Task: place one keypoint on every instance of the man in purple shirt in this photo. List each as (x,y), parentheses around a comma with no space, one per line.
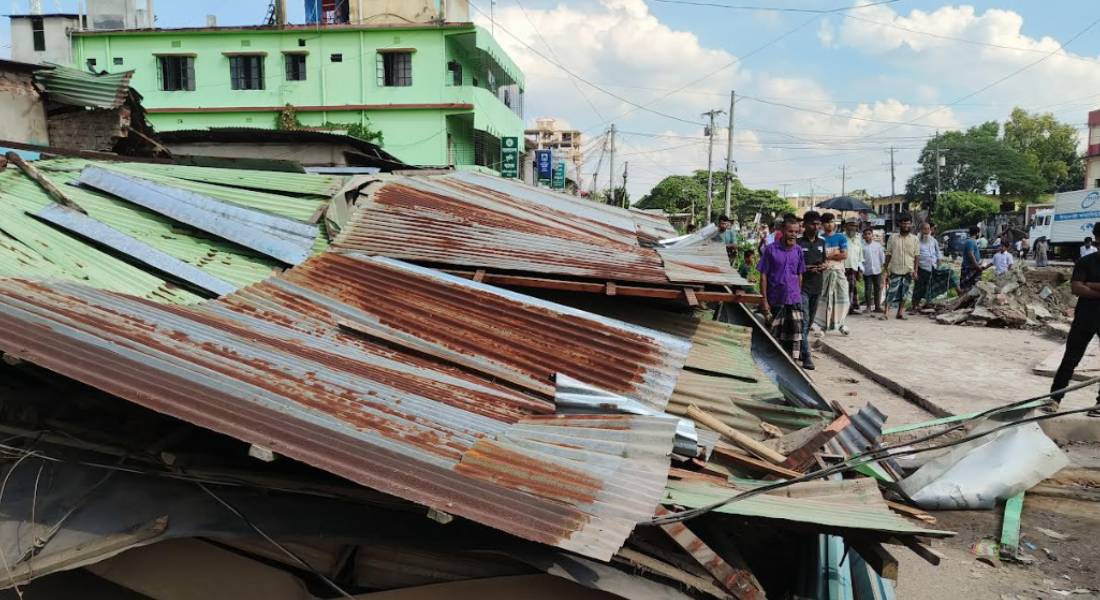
(781,268)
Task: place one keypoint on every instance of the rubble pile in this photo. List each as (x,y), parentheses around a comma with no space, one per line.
(1023,297)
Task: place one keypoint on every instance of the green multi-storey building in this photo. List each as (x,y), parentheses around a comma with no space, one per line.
(440,93)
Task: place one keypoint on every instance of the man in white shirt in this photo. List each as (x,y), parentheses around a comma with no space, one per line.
(853,264)
(873,257)
(1088,248)
(927,261)
(1002,261)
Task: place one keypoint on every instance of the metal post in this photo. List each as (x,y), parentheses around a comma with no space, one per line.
(710,163)
(729,156)
(611,175)
(626,168)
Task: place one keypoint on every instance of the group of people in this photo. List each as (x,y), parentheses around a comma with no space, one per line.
(810,271)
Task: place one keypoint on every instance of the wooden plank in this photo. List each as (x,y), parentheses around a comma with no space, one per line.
(711,422)
(611,291)
(910,511)
(689,295)
(51,189)
(732,573)
(1010,525)
(752,463)
(644,562)
(877,557)
(315,218)
(479,275)
(1070,493)
(803,456)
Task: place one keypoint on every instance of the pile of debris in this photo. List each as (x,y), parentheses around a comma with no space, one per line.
(1022,297)
(280,385)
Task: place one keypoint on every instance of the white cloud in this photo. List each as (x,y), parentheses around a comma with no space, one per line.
(826,33)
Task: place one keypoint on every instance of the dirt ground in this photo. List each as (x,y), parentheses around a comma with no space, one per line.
(1058,568)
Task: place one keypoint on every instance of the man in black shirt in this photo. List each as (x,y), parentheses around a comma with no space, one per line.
(1085,284)
(813,253)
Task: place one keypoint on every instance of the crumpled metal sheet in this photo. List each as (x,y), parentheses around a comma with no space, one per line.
(979,473)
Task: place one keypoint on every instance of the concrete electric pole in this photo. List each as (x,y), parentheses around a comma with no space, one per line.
(843,179)
(892,179)
(729,156)
(626,169)
(710,162)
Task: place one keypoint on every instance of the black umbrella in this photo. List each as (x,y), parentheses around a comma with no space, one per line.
(845,203)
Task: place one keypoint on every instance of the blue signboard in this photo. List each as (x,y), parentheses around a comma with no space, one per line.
(544,164)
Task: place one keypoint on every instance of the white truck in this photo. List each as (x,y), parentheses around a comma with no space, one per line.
(1070,221)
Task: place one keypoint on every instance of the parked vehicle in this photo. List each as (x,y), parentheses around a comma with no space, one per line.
(952,241)
(1069,223)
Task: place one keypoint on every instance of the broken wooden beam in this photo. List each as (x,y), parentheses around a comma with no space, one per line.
(51,190)
(740,439)
(803,456)
(910,511)
(754,464)
(731,573)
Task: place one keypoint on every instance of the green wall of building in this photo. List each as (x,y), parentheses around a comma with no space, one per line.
(414,120)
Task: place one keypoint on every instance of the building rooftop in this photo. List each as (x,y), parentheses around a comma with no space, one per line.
(276,28)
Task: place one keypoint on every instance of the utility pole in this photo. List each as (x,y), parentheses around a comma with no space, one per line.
(784,186)
(892,179)
(626,168)
(611,176)
(729,155)
(843,179)
(710,162)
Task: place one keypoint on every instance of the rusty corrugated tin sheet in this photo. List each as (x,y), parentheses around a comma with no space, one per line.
(476,221)
(269,366)
(500,331)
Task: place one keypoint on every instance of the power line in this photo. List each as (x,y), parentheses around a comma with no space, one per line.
(820,11)
(962,40)
(1014,73)
(582,79)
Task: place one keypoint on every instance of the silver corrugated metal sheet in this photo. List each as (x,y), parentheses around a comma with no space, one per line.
(79,88)
(278,237)
(269,366)
(88,227)
(477,221)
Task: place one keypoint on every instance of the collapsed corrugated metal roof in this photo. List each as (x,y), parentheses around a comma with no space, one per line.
(476,221)
(842,505)
(30,246)
(276,365)
(79,88)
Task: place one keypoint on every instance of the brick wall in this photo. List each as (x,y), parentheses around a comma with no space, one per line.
(96,129)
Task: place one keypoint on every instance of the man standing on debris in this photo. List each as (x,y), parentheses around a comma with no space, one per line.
(1087,248)
(1002,260)
(1085,284)
(972,262)
(927,261)
(873,258)
(832,309)
(1042,249)
(813,256)
(726,235)
(853,265)
(781,268)
(902,252)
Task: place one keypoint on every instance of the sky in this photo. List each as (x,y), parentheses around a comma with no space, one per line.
(818,91)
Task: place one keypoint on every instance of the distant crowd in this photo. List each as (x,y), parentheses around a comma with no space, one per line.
(809,271)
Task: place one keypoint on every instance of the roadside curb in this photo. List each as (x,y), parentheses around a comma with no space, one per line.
(906,393)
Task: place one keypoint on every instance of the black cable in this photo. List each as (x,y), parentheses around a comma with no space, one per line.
(882,453)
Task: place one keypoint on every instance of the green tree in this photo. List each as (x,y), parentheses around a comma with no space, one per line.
(963,209)
(676,193)
(604,196)
(975,161)
(1050,147)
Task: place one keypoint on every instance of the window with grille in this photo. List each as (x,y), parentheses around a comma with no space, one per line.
(246,72)
(395,69)
(456,72)
(176,73)
(38,31)
(295,67)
